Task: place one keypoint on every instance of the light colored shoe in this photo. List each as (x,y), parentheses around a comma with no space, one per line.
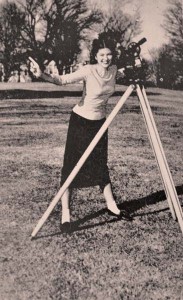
(65,216)
(112,207)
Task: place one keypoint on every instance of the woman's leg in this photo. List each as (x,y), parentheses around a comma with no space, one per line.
(65,200)
(111,204)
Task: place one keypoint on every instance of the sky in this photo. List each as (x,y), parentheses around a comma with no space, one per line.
(152,19)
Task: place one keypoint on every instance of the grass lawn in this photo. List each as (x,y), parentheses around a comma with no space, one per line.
(103,258)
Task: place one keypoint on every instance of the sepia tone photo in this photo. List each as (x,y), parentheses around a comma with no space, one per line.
(91,122)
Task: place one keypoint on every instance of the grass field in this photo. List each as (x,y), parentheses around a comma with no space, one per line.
(103,258)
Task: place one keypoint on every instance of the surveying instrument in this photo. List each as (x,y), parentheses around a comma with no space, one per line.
(132,67)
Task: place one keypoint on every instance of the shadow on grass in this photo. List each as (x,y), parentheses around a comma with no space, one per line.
(131,206)
(154,198)
(76,225)
(35,94)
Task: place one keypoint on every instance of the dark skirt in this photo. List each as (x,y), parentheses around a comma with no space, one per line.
(95,171)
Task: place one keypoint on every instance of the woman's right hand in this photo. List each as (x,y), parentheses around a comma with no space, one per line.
(34,68)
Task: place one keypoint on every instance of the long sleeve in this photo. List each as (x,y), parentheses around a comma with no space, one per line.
(76,76)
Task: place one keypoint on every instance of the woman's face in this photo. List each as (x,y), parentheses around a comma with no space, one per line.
(104,57)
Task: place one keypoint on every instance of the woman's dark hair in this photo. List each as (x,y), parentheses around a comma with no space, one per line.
(104,41)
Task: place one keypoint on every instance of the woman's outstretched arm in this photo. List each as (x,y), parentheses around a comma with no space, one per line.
(58,79)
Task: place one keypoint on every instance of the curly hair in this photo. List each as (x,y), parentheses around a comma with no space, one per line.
(104,41)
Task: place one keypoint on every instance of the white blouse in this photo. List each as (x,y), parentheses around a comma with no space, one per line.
(97,90)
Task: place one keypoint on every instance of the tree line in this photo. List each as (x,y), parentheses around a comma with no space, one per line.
(167,61)
(60,29)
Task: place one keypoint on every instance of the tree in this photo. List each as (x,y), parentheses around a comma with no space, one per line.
(18,34)
(45,29)
(167,62)
(174,25)
(122,25)
(174,28)
(67,22)
(166,68)
(11,21)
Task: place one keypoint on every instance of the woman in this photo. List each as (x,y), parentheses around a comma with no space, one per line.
(86,119)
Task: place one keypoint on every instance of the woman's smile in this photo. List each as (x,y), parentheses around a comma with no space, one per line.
(104,57)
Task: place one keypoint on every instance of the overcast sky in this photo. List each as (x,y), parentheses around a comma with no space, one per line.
(152,19)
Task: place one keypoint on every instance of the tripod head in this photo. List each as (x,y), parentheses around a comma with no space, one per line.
(131,62)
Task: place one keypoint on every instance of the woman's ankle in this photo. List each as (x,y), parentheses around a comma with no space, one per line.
(108,194)
(110,201)
(65,215)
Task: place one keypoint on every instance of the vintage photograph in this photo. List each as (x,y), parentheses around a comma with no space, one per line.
(91,122)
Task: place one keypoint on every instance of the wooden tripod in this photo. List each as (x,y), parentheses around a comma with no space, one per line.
(167,180)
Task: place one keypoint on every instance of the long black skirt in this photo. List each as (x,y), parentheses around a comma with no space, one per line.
(95,171)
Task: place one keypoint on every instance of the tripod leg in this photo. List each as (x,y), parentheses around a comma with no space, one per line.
(161,148)
(159,141)
(83,159)
(168,196)
(160,156)
(172,186)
